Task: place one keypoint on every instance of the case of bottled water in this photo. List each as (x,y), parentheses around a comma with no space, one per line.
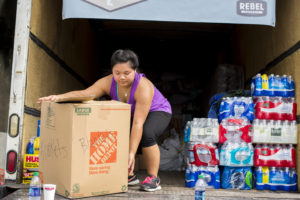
(272,85)
(211,175)
(275,178)
(237,178)
(278,155)
(236,107)
(203,154)
(236,154)
(204,130)
(231,127)
(274,131)
(275,108)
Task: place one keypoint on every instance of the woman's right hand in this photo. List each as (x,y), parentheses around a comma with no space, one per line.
(48,98)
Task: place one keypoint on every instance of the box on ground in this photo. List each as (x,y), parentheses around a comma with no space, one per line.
(84,147)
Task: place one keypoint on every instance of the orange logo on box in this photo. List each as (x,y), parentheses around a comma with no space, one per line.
(103,147)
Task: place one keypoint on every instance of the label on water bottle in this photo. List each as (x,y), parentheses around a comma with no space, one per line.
(34,191)
(199,195)
(265,171)
(275,131)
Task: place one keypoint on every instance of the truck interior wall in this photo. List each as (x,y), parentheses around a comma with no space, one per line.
(7,24)
(60,59)
(273,50)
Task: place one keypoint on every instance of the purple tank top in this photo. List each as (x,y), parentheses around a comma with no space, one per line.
(159,102)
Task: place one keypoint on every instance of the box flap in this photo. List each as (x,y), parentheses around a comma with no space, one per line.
(106,103)
(76,99)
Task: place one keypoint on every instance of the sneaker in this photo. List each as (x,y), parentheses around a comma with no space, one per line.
(151,184)
(132,179)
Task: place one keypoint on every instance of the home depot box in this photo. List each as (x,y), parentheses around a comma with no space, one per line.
(84,147)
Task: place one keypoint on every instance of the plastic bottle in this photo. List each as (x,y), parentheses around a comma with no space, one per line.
(35,187)
(271,85)
(30,146)
(265,84)
(258,85)
(36,144)
(285,86)
(187,131)
(200,188)
(277,85)
(291,86)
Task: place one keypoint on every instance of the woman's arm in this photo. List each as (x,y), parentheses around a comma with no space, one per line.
(98,89)
(143,97)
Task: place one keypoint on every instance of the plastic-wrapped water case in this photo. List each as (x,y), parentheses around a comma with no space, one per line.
(275,108)
(278,132)
(237,178)
(236,154)
(204,130)
(231,128)
(236,107)
(274,178)
(272,85)
(203,154)
(211,175)
(275,155)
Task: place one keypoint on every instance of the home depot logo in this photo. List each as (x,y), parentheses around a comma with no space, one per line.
(103,147)
(252,8)
(111,5)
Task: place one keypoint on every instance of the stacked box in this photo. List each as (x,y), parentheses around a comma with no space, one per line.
(201,134)
(236,152)
(274,132)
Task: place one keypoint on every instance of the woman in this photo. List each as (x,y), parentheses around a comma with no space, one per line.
(151,112)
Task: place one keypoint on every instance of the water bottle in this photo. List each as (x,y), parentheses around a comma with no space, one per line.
(291,86)
(265,84)
(258,85)
(200,188)
(285,86)
(271,85)
(35,187)
(278,85)
(187,131)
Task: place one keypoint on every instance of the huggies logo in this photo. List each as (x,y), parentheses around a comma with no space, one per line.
(111,5)
(103,147)
(252,8)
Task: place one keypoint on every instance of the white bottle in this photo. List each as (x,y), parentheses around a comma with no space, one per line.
(200,188)
(35,187)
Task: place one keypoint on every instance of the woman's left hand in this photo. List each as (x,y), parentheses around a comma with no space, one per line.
(131,163)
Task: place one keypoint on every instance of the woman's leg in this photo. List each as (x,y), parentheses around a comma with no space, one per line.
(151,156)
(154,126)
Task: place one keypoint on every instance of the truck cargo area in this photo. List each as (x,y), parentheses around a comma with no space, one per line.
(187,62)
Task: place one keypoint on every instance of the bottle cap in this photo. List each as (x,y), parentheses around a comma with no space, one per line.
(200,176)
(35,174)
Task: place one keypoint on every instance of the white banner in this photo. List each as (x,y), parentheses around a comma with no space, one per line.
(208,11)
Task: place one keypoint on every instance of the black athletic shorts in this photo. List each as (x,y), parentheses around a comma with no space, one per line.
(155,125)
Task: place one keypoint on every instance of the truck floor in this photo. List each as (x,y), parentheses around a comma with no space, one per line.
(173,188)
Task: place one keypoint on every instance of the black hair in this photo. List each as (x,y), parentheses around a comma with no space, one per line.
(123,56)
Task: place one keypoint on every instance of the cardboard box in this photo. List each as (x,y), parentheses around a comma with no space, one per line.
(30,165)
(84,147)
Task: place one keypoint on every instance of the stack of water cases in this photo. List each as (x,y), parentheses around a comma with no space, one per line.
(274,132)
(236,152)
(201,134)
